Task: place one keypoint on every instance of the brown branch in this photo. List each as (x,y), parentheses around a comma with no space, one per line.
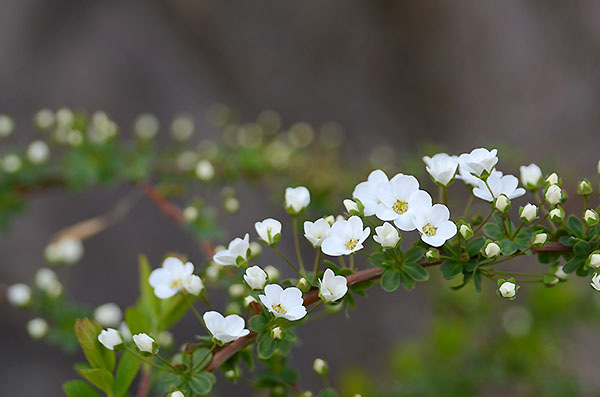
(162,203)
(359,277)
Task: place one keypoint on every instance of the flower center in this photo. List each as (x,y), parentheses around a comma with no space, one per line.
(429,230)
(400,207)
(176,283)
(351,244)
(279,308)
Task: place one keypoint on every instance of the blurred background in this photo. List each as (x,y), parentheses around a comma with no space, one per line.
(398,75)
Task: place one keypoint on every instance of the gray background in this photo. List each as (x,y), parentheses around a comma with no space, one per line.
(461,73)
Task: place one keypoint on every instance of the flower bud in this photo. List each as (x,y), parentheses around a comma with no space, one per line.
(230,374)
(531,177)
(553,194)
(476,220)
(12,163)
(273,273)
(491,249)
(236,290)
(231,205)
(248,300)
(18,294)
(145,343)
(330,219)
(307,393)
(108,315)
(507,289)
(465,231)
(594,259)
(351,206)
(502,203)
(539,239)
(432,255)
(303,285)
(177,393)
(296,199)
(193,284)
(584,188)
(557,214)
(37,328)
(7,126)
(590,217)
(553,179)
(560,273)
(320,367)
(205,170)
(255,277)
(110,338)
(528,213)
(387,235)
(190,214)
(596,282)
(38,152)
(269,231)
(44,119)
(276,333)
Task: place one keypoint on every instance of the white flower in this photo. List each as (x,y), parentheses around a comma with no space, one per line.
(12,163)
(255,277)
(165,338)
(595,260)
(190,214)
(320,367)
(387,235)
(540,239)
(552,179)
(225,329)
(553,194)
(590,217)
(492,250)
(502,202)
(368,192)
(350,205)
(205,170)
(37,328)
(44,119)
(182,127)
(18,294)
(499,184)
(268,230)
(345,237)
(231,205)
(7,125)
(110,338)
(238,247)
(332,287)
(296,199)
(441,167)
(38,152)
(529,212)
(508,289)
(169,279)
(317,231)
(108,315)
(596,282)
(286,303)
(46,280)
(531,176)
(401,197)
(146,126)
(236,290)
(434,225)
(176,393)
(193,284)
(478,161)
(272,272)
(144,343)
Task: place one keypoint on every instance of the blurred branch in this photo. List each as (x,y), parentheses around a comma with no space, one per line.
(161,202)
(359,277)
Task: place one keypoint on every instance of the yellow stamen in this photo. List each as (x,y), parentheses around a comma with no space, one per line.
(429,230)
(176,283)
(351,244)
(400,207)
(279,308)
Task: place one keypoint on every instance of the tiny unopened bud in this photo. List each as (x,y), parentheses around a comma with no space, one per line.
(230,374)
(539,239)
(190,214)
(249,300)
(553,179)
(557,214)
(584,188)
(594,259)
(276,333)
(432,255)
(205,170)
(320,367)
(231,205)
(145,343)
(273,273)
(465,231)
(7,126)
(303,285)
(491,250)
(528,213)
(236,290)
(590,217)
(38,152)
(18,294)
(502,203)
(508,290)
(177,393)
(350,206)
(560,273)
(37,328)
(330,219)
(255,249)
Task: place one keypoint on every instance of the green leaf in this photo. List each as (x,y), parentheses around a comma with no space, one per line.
(493,231)
(329,392)
(582,249)
(451,268)
(148,303)
(508,246)
(202,383)
(173,309)
(414,255)
(547,258)
(258,323)
(574,264)
(407,281)
(265,347)
(416,271)
(575,226)
(390,280)
(475,245)
(100,378)
(202,355)
(97,355)
(127,369)
(79,388)
(477,281)
(136,321)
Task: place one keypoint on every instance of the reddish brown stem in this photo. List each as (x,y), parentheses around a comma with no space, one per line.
(162,203)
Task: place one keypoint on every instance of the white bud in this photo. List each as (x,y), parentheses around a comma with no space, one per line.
(350,205)
(595,260)
(18,294)
(508,289)
(531,176)
(37,328)
(386,235)
(330,219)
(12,163)
(552,179)
(553,194)
(231,205)
(108,315)
(465,231)
(296,199)
(144,342)
(255,277)
(276,333)
(268,230)
(320,367)
(205,170)
(44,119)
(502,202)
(492,250)
(590,217)
(110,338)
(177,393)
(540,239)
(248,300)
(64,117)
(190,214)
(146,126)
(125,331)
(236,290)
(38,152)
(529,212)
(7,126)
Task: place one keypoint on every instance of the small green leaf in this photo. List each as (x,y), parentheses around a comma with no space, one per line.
(414,255)
(416,271)
(202,355)
(148,303)
(575,226)
(202,383)
(477,281)
(329,392)
(508,246)
(493,231)
(407,281)
(127,369)
(475,245)
(79,388)
(100,378)
(582,249)
(173,309)
(258,323)
(451,268)
(266,346)
(390,280)
(574,264)
(136,321)
(97,355)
